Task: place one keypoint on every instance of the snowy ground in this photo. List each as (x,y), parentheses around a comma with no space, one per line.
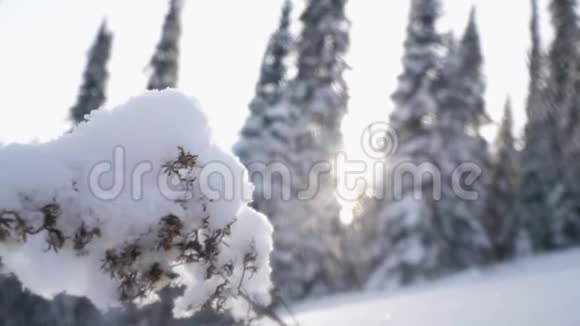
(542,291)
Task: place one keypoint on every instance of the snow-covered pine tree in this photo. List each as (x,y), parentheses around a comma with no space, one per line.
(459,92)
(428,228)
(566,221)
(164,63)
(262,139)
(421,56)
(320,89)
(550,193)
(307,260)
(536,57)
(273,72)
(405,224)
(563,63)
(501,220)
(459,85)
(538,156)
(92,91)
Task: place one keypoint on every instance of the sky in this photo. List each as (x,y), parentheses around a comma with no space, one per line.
(44,47)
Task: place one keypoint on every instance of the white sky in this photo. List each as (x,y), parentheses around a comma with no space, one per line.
(44,45)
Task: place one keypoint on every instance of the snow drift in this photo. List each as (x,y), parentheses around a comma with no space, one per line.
(130,202)
(535,291)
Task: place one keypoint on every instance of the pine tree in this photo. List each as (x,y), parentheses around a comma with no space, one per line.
(501,219)
(538,155)
(164,63)
(428,228)
(420,58)
(307,259)
(274,69)
(549,192)
(404,224)
(459,91)
(256,142)
(563,60)
(92,91)
(320,89)
(535,57)
(460,85)
(566,226)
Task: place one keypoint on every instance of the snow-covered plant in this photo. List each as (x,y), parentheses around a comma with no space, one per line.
(129,203)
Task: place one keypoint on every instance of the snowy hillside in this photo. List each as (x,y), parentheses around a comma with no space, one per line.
(541,291)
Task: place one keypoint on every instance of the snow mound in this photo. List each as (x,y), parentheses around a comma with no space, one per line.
(133,200)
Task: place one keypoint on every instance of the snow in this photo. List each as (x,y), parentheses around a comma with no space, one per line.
(537,291)
(133,202)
